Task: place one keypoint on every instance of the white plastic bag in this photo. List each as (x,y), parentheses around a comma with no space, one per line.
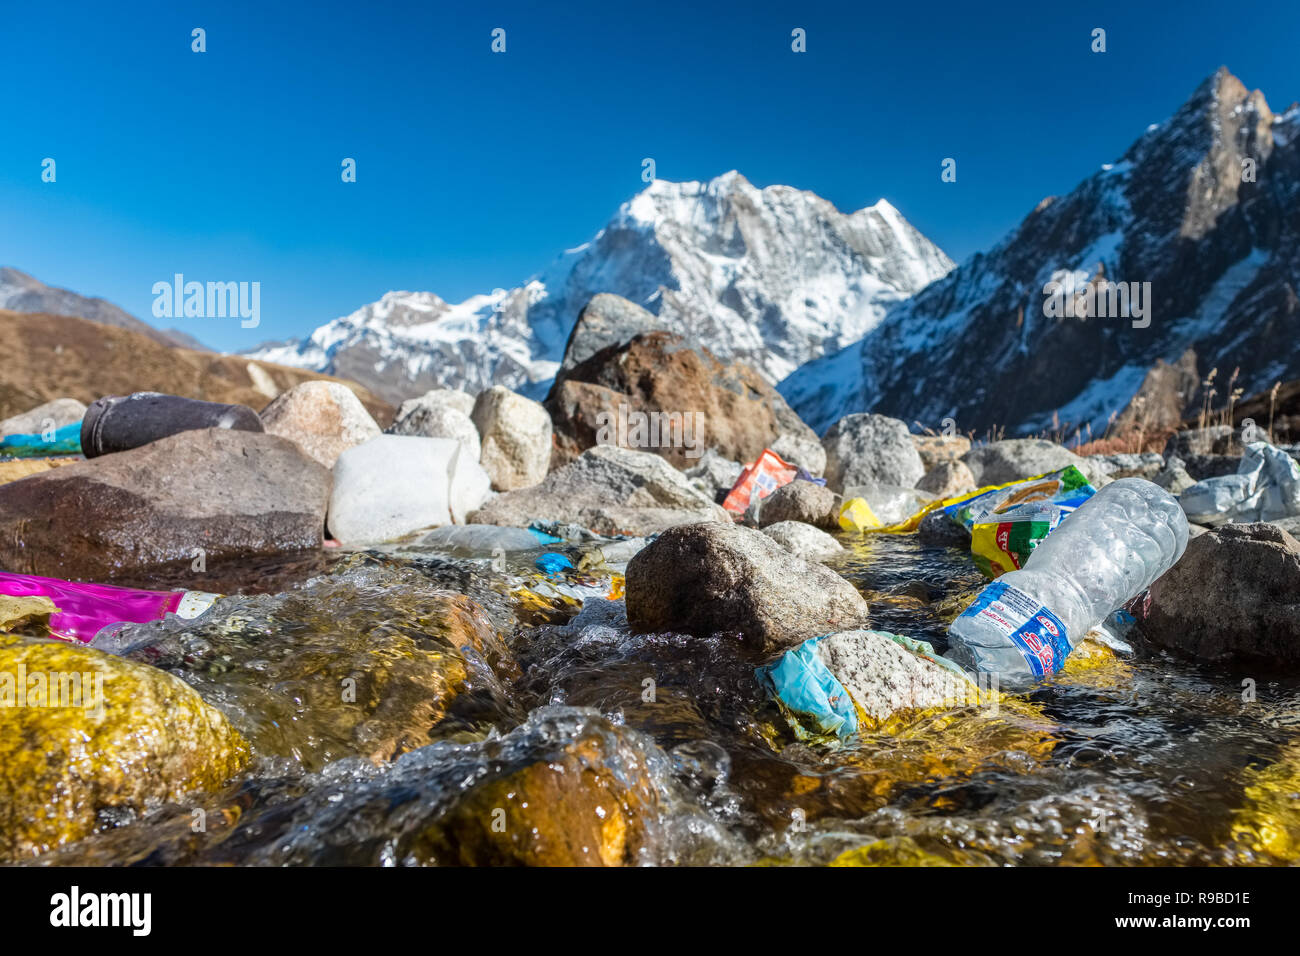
(1266,487)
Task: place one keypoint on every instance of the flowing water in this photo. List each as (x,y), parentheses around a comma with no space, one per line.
(466,678)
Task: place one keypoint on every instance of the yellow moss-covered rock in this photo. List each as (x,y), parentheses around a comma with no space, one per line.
(82,732)
(569,810)
(1269,824)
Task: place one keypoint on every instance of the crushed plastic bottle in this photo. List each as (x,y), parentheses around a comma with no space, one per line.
(1111,549)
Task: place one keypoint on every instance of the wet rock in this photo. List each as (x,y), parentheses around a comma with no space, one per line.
(936,449)
(1016,458)
(947,480)
(714,475)
(798,500)
(324,419)
(659,394)
(867,449)
(232,494)
(608,490)
(368,661)
(888,682)
(516,437)
(106,736)
(566,788)
(394,485)
(1233,597)
(51,415)
(939,530)
(803,540)
(437,419)
(712,577)
(607,320)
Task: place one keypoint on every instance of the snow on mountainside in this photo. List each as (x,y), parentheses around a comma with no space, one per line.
(774,277)
(1203,207)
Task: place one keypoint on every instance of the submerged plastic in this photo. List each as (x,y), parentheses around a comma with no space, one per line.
(803,685)
(85,609)
(1266,487)
(64,441)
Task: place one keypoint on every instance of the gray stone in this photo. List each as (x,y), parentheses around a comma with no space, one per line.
(1145,465)
(937,529)
(801,447)
(866,449)
(799,500)
(803,540)
(887,680)
(437,419)
(321,418)
(606,320)
(1173,477)
(226,492)
(947,479)
(1016,458)
(609,490)
(1212,440)
(714,475)
(1234,598)
(51,415)
(712,577)
(516,436)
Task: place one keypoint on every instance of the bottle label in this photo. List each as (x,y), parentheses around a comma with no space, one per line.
(1036,632)
(194,603)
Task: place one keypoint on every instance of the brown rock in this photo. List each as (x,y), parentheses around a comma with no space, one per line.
(324,419)
(737,411)
(947,480)
(935,449)
(230,493)
(804,501)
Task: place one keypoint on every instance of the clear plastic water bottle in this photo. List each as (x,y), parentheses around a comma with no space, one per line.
(1108,551)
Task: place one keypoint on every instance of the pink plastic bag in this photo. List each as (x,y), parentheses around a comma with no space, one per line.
(86,609)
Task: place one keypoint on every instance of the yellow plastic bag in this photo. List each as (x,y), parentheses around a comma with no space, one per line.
(856,515)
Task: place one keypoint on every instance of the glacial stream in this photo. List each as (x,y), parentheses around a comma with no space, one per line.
(410,707)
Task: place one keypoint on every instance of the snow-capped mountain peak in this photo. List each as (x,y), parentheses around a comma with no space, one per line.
(774,276)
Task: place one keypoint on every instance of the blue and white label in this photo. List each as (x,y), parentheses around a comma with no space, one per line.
(1036,632)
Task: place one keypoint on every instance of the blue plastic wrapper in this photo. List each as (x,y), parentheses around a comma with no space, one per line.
(552,562)
(67,441)
(800,682)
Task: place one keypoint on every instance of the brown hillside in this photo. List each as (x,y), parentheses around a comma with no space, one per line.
(57,356)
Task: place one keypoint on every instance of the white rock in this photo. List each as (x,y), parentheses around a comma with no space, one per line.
(516,436)
(394,485)
(803,540)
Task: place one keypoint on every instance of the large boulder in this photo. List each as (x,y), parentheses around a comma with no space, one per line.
(50,416)
(711,577)
(228,493)
(439,414)
(609,490)
(1015,458)
(322,418)
(607,320)
(657,393)
(105,735)
(516,436)
(394,485)
(867,450)
(799,500)
(1234,598)
(803,540)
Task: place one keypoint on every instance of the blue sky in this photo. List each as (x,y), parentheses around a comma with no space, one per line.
(475,169)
